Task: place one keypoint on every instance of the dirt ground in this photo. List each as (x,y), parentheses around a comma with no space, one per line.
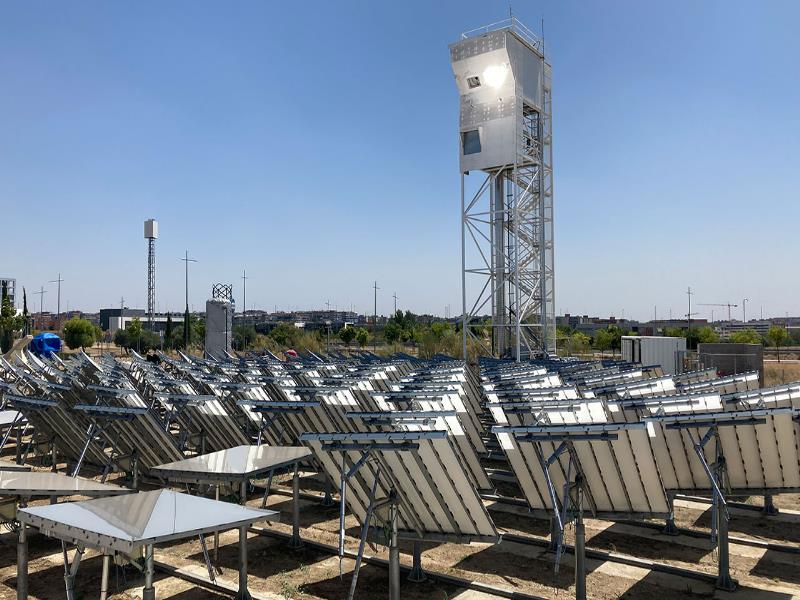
(276,572)
(778,373)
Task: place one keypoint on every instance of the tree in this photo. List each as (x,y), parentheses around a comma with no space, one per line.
(122,339)
(79,333)
(285,335)
(706,335)
(392,332)
(616,336)
(244,336)
(26,325)
(777,335)
(198,332)
(137,338)
(150,340)
(9,323)
(746,336)
(347,335)
(362,336)
(579,342)
(603,339)
(186,329)
(674,332)
(135,328)
(168,332)
(401,327)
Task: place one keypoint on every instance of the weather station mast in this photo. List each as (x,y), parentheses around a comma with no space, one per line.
(505,131)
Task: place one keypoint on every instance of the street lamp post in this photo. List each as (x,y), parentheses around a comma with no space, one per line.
(186,261)
(375,319)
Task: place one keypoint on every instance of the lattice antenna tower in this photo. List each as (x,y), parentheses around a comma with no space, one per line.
(150,234)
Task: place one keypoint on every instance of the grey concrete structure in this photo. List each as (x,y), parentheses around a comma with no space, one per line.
(733,358)
(219,327)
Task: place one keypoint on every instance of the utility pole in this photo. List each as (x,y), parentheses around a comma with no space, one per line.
(375,318)
(395,302)
(689,314)
(744,310)
(244,293)
(186,261)
(58,281)
(41,293)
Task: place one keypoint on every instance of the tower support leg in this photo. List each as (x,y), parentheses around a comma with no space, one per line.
(394,555)
(724,580)
(135,469)
(18,437)
(769,506)
(22,563)
(149,591)
(670,527)
(580,547)
(104,577)
(328,499)
(71,571)
(417,575)
(243,593)
(555,533)
(296,541)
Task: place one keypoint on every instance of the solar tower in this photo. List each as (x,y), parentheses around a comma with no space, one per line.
(150,234)
(503,81)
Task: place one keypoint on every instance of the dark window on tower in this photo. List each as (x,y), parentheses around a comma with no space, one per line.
(471,141)
(473,82)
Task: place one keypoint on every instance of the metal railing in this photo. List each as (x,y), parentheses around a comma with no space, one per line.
(514,25)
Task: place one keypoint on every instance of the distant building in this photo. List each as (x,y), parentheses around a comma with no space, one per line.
(727,328)
(590,325)
(8,286)
(265,322)
(111,319)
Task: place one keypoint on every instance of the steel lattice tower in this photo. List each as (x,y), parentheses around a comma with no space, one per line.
(504,83)
(150,234)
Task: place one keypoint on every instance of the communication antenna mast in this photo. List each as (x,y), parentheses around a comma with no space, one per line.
(150,234)
(504,84)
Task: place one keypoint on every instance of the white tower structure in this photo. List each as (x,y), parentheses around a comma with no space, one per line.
(150,234)
(505,129)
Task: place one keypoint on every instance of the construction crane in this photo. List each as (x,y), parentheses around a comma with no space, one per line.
(728,304)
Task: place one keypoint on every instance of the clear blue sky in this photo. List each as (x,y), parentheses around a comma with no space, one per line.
(315,145)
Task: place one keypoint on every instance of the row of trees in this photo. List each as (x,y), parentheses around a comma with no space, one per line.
(354,334)
(577,342)
(10,323)
(776,336)
(136,337)
(611,338)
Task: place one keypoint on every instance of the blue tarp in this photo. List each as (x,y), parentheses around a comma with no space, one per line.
(45,344)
